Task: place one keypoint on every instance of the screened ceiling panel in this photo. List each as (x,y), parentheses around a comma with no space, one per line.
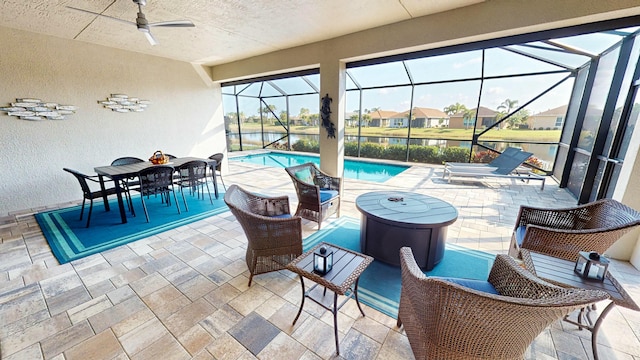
(466,65)
(570,60)
(293,86)
(350,84)
(252,89)
(594,43)
(269,91)
(387,74)
(503,62)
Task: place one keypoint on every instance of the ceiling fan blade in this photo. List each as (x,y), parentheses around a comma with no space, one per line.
(106,16)
(151,39)
(175,23)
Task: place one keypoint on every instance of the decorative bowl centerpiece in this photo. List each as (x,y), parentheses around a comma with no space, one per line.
(159,158)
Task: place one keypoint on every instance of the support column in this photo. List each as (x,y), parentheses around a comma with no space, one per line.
(628,247)
(332,82)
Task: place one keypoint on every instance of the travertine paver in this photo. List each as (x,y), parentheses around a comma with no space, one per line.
(180,293)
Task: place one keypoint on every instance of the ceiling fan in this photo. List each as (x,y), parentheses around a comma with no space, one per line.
(141,21)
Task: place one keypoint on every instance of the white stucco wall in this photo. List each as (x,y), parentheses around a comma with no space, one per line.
(184,118)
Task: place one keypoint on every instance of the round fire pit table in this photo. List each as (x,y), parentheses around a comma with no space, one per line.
(393,219)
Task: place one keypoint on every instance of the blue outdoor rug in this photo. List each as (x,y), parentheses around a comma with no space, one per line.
(380,284)
(70,239)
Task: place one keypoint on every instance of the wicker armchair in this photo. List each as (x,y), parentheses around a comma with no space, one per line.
(274,236)
(318,192)
(446,320)
(562,233)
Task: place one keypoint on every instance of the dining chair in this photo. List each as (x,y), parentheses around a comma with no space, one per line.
(217,171)
(128,184)
(193,175)
(87,193)
(156,180)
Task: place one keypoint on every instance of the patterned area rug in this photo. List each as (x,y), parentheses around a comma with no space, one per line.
(70,239)
(380,284)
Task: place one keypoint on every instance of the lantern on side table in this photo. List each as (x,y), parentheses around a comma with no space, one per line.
(591,265)
(322,260)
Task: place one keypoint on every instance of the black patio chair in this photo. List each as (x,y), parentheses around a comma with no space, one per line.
(156,180)
(193,175)
(130,183)
(217,171)
(87,193)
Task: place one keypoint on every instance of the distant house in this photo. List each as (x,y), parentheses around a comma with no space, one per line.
(295,120)
(380,118)
(550,119)
(486,118)
(351,119)
(421,118)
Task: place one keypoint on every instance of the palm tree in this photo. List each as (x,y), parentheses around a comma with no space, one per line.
(468,117)
(366,119)
(283,116)
(505,109)
(454,108)
(508,105)
(304,115)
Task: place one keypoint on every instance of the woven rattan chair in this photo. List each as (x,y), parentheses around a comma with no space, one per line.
(318,192)
(274,236)
(562,233)
(495,319)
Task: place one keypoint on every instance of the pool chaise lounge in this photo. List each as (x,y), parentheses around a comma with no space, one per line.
(507,165)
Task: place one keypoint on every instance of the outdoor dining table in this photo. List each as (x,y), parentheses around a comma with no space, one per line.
(120,172)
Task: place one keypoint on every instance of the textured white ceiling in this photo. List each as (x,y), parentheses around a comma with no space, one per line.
(224,31)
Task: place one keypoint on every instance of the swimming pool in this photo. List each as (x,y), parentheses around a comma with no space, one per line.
(353,169)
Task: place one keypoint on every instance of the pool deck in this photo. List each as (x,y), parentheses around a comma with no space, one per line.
(183,293)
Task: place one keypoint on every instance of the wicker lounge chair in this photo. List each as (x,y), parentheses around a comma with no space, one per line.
(274,236)
(318,192)
(562,233)
(507,165)
(470,319)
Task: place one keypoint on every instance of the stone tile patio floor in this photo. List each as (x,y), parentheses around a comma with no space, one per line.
(183,293)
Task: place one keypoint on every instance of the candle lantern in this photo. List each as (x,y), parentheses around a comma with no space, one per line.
(322,260)
(591,265)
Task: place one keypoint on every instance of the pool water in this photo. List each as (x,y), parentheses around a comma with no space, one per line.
(353,169)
